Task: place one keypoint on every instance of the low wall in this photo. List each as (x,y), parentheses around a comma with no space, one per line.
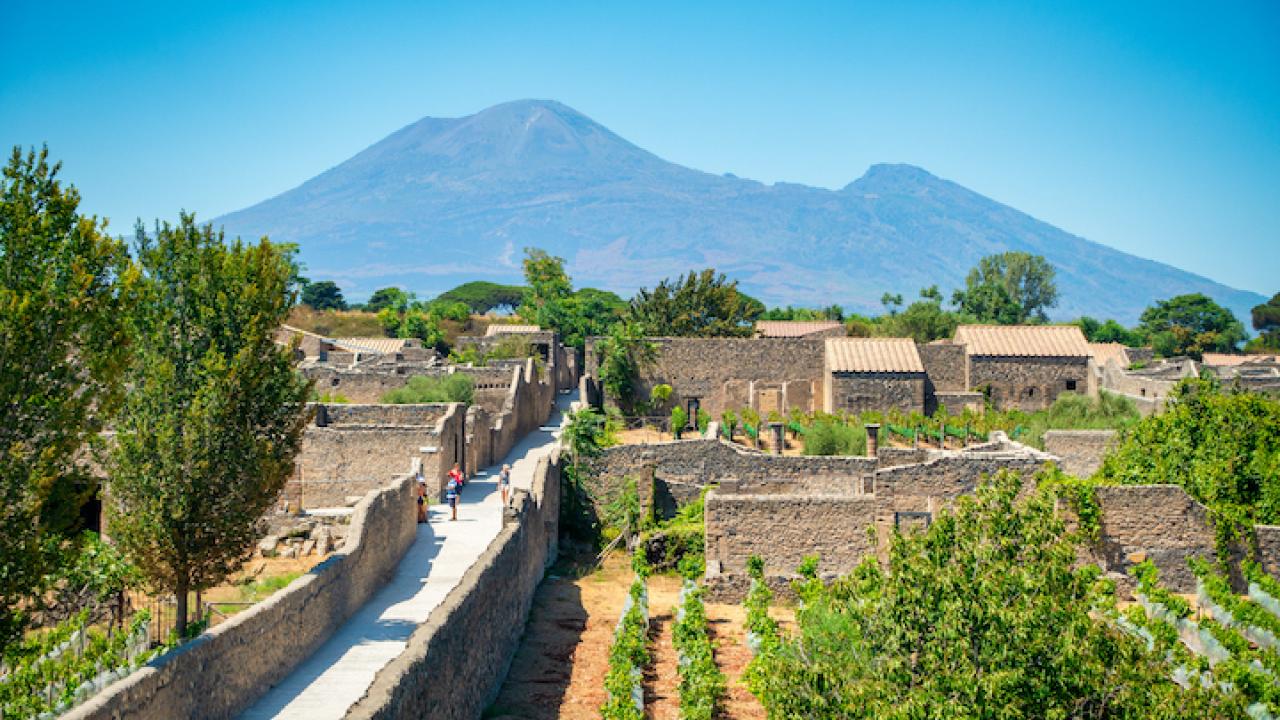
(455,663)
(223,671)
(1080,451)
(834,527)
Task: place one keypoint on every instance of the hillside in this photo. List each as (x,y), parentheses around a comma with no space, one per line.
(446,200)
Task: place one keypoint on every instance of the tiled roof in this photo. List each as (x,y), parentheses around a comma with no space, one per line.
(380,345)
(503,329)
(873,355)
(289,331)
(1023,340)
(794,328)
(1225,360)
(1105,352)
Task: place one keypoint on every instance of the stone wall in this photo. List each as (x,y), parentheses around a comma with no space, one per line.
(947,367)
(857,393)
(956,402)
(1029,383)
(456,661)
(733,373)
(1157,522)
(223,671)
(350,456)
(1080,452)
(787,529)
(526,406)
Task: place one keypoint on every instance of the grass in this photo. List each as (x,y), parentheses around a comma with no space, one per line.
(336,323)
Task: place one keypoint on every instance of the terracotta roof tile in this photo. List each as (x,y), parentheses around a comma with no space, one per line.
(1105,352)
(504,329)
(794,328)
(873,355)
(379,345)
(1023,340)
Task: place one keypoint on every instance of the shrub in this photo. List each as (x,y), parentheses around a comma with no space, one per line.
(701,682)
(455,387)
(832,437)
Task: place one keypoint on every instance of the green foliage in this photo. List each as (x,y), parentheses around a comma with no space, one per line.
(624,353)
(454,387)
(659,395)
(697,305)
(1079,493)
(831,312)
(924,320)
(985,614)
(1222,446)
(63,301)
(1148,577)
(728,423)
(215,412)
(623,512)
(551,302)
(1009,288)
(701,682)
(628,656)
(1266,320)
(329,397)
(1109,331)
(703,420)
(388,297)
(830,436)
(323,295)
(679,420)
(481,296)
(1191,325)
(678,543)
(1219,590)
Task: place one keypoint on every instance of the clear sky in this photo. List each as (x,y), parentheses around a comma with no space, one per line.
(1153,127)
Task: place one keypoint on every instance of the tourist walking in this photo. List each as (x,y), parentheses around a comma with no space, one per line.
(504,482)
(451,494)
(456,475)
(422,498)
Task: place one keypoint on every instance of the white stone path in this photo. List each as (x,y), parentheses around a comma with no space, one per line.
(329,682)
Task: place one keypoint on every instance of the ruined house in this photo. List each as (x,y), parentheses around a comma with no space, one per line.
(1027,366)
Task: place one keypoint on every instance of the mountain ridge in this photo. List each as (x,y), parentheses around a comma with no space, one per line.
(445,200)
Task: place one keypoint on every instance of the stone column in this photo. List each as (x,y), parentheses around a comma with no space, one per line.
(873,439)
(779,438)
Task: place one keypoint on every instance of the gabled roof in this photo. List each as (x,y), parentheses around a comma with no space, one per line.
(795,328)
(379,345)
(503,329)
(1105,352)
(873,355)
(1225,360)
(1023,340)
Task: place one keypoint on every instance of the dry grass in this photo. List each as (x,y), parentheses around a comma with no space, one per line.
(335,323)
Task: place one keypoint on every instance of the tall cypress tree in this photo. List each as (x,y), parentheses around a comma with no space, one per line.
(215,411)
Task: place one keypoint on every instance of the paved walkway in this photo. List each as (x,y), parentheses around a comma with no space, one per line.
(329,682)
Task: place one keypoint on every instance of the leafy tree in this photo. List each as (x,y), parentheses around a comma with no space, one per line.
(550,301)
(388,297)
(623,353)
(481,296)
(1109,331)
(547,281)
(831,312)
(290,251)
(1028,282)
(985,614)
(1222,446)
(450,310)
(924,320)
(323,295)
(698,305)
(1191,325)
(892,303)
(1266,320)
(64,291)
(456,387)
(215,411)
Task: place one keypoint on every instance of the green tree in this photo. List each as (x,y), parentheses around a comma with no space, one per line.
(551,303)
(481,296)
(701,304)
(323,295)
(215,412)
(624,353)
(1109,331)
(985,614)
(1222,446)
(1028,284)
(63,294)
(924,320)
(547,282)
(1266,320)
(1191,325)
(291,251)
(388,297)
(452,388)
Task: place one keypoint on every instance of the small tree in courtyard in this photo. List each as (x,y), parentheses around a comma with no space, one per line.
(215,411)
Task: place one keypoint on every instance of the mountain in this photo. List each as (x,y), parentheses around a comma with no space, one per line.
(446,200)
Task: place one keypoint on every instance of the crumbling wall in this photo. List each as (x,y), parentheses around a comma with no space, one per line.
(783,529)
(456,661)
(1029,383)
(1080,452)
(732,373)
(224,670)
(1157,522)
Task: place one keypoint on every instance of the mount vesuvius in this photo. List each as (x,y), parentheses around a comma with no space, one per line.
(446,200)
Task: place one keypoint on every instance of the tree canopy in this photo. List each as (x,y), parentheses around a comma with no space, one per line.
(215,412)
(387,297)
(1191,325)
(323,295)
(1266,320)
(700,304)
(1110,331)
(481,296)
(65,291)
(551,302)
(1009,288)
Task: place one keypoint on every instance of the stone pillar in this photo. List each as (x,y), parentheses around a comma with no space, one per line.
(873,439)
(779,438)
(695,404)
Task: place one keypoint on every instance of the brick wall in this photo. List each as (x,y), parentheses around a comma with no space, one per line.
(784,529)
(1080,451)
(733,373)
(1029,383)
(947,367)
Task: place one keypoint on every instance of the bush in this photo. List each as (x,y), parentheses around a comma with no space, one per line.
(701,682)
(455,387)
(832,437)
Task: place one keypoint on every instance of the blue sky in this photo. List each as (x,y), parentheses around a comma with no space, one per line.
(1150,127)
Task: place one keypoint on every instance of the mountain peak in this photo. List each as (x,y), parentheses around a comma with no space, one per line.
(898,178)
